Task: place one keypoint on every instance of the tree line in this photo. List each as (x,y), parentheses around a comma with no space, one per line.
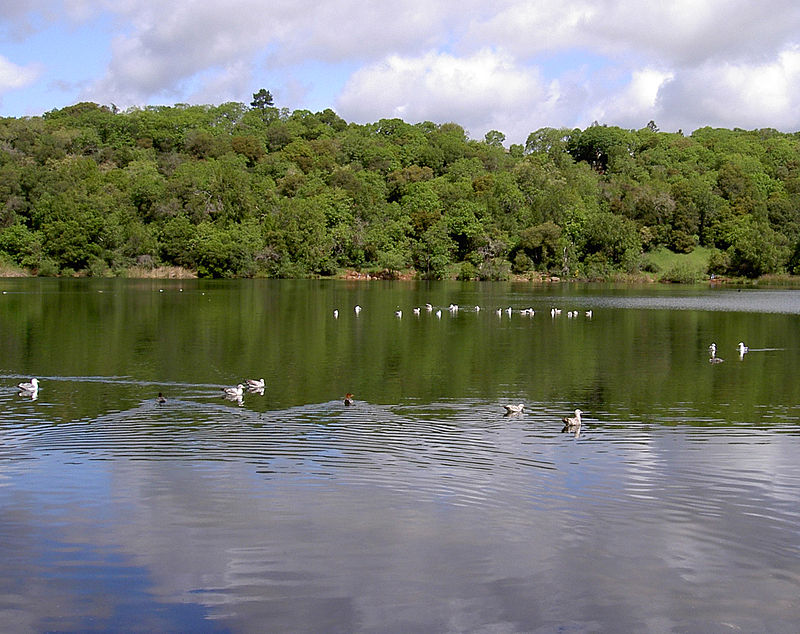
(243,190)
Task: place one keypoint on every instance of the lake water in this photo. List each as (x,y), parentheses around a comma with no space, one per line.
(422,508)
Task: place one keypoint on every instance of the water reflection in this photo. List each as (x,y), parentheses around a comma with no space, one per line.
(421,507)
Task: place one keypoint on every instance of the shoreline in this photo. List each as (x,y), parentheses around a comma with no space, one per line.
(180,273)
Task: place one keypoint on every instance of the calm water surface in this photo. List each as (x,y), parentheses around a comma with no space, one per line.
(421,508)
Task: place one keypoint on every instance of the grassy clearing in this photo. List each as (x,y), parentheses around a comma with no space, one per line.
(678,267)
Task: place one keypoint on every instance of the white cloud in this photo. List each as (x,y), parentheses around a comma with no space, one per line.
(512,65)
(13,77)
(484,91)
(632,106)
(736,95)
(161,48)
(679,32)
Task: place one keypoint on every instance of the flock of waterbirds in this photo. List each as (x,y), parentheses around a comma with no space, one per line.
(235,393)
(453,309)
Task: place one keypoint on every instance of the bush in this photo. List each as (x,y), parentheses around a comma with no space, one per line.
(522,263)
(467,272)
(683,273)
(496,269)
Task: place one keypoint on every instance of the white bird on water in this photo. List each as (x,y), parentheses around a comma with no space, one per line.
(31,386)
(234,392)
(742,349)
(438,314)
(416,311)
(514,409)
(255,384)
(357,309)
(336,314)
(712,349)
(572,423)
(398,313)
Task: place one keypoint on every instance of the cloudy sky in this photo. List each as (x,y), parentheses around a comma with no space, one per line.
(510,65)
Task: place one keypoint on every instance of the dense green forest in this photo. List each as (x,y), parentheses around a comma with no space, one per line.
(254,190)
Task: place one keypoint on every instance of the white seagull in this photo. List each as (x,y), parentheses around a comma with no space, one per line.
(572,423)
(357,309)
(742,349)
(514,409)
(233,392)
(255,384)
(336,314)
(31,386)
(29,390)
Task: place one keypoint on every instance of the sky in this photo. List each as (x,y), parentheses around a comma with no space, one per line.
(508,65)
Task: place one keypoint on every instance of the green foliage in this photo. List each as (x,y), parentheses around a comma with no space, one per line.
(238,190)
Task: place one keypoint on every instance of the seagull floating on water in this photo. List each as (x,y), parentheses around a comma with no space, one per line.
(514,409)
(31,386)
(234,392)
(714,358)
(357,309)
(416,311)
(336,314)
(438,314)
(255,384)
(572,423)
(429,307)
(742,349)
(348,399)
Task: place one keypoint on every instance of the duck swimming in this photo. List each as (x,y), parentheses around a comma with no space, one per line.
(348,399)
(161,399)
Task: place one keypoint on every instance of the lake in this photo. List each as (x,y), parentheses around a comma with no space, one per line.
(422,507)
